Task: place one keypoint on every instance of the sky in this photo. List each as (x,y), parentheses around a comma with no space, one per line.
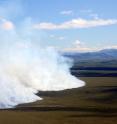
(70,25)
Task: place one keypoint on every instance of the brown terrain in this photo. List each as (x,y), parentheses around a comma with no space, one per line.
(96,103)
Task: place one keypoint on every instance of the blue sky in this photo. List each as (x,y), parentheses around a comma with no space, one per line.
(81,25)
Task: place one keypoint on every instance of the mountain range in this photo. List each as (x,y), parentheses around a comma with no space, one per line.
(105,57)
(106,54)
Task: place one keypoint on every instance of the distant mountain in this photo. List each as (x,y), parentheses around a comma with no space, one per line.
(103,58)
(106,54)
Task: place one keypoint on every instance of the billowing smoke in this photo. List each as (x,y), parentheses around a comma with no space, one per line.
(26,68)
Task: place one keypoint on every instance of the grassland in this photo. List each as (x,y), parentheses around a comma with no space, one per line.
(94,103)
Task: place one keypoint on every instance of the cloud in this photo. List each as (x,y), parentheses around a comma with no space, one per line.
(6,24)
(110,47)
(66,12)
(57,37)
(79,46)
(75,23)
(77,43)
(80,49)
(61,38)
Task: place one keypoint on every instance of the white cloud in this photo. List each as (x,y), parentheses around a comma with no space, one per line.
(84,48)
(45,25)
(66,12)
(57,37)
(77,43)
(75,23)
(61,38)
(80,49)
(79,46)
(6,24)
(110,47)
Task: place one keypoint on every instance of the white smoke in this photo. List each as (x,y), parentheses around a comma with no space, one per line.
(26,68)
